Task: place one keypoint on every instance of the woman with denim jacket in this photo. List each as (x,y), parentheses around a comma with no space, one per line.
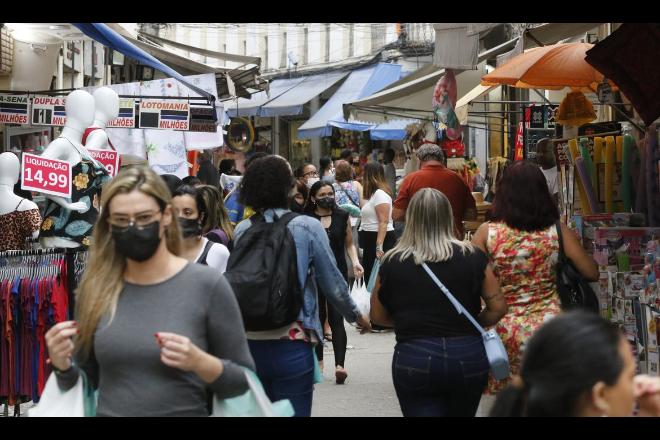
(439,366)
(285,357)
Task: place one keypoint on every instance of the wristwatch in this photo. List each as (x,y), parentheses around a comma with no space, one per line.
(379,248)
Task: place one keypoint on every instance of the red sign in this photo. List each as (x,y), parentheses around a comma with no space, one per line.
(48,176)
(108,158)
(519,143)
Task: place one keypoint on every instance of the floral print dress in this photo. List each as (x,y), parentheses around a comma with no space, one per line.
(88,178)
(524,262)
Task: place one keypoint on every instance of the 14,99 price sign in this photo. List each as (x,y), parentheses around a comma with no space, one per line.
(48,176)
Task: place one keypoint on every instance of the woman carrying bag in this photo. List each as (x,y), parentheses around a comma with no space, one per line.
(152,330)
(440,364)
(321,205)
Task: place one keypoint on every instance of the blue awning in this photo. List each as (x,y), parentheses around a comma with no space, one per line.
(360,83)
(109,38)
(392,130)
(250,107)
(293,100)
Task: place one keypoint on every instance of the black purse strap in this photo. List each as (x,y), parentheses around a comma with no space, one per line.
(562,255)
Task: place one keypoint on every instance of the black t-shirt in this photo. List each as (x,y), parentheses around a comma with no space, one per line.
(337,237)
(418,306)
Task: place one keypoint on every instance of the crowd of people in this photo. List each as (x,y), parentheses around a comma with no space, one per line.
(168,317)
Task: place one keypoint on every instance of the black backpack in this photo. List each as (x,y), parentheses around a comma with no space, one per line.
(263,272)
(574,291)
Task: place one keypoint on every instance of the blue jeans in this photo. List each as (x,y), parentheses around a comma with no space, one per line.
(438,377)
(286,370)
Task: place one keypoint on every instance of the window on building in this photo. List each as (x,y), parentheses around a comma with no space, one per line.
(305,59)
(244,47)
(327,42)
(265,53)
(224,50)
(351,40)
(283,55)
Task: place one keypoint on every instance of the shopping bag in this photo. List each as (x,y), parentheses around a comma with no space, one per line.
(253,403)
(361,296)
(373,276)
(318,374)
(79,401)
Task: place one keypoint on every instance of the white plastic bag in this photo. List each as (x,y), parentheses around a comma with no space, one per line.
(361,296)
(57,403)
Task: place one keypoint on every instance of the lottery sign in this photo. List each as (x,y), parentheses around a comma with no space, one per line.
(48,110)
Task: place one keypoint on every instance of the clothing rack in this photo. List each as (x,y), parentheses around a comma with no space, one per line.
(36,291)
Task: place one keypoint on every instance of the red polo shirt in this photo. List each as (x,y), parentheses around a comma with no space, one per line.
(444,180)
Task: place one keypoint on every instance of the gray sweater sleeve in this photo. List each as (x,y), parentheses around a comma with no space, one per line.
(227,341)
(67,380)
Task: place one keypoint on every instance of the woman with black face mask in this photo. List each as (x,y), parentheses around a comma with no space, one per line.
(321,205)
(299,197)
(189,206)
(153,331)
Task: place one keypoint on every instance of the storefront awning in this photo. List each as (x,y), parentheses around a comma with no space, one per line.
(463,104)
(391,131)
(109,38)
(360,83)
(250,107)
(292,101)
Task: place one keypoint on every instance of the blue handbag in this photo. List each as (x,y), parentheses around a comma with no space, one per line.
(495,351)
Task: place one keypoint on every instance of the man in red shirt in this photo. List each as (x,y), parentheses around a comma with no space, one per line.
(433,174)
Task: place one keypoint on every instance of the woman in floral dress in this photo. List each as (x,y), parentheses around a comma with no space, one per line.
(522,244)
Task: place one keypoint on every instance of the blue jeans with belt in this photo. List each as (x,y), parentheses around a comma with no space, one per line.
(437,377)
(286,370)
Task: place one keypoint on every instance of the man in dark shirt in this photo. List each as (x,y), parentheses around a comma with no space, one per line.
(433,174)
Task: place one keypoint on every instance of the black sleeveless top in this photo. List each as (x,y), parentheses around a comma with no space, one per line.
(337,236)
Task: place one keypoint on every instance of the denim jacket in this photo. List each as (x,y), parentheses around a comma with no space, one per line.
(316,267)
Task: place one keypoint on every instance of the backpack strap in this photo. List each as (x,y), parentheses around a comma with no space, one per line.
(205,253)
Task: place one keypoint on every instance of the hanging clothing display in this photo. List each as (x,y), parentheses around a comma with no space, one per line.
(16,226)
(35,294)
(88,177)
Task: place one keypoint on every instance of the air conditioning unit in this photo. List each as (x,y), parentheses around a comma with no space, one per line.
(6,51)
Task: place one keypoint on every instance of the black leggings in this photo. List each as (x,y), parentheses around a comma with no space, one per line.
(368,245)
(339,338)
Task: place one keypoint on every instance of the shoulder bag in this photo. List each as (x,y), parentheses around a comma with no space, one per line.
(252,403)
(495,351)
(574,291)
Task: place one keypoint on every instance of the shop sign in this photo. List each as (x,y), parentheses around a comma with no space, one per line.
(48,176)
(108,158)
(537,116)
(202,119)
(126,117)
(14,109)
(519,143)
(165,114)
(48,110)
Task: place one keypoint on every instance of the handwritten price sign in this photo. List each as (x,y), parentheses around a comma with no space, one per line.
(48,176)
(108,158)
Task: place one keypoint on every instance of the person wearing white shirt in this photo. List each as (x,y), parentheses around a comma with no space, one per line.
(545,157)
(189,207)
(376,228)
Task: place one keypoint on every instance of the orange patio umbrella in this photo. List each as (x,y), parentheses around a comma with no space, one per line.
(548,67)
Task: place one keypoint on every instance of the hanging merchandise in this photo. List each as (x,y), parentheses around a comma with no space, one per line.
(575,110)
(35,293)
(444,104)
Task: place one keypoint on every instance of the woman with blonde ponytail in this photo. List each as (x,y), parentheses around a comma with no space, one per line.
(152,331)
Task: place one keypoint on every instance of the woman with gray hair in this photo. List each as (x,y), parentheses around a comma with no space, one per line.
(439,366)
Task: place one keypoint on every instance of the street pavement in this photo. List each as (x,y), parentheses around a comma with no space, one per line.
(368,391)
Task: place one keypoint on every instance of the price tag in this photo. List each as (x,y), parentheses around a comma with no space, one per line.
(108,158)
(48,176)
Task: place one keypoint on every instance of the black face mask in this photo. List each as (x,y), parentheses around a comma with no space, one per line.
(135,244)
(326,202)
(190,227)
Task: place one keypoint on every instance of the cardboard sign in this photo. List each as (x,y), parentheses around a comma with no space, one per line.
(165,114)
(108,158)
(48,110)
(14,109)
(126,117)
(48,176)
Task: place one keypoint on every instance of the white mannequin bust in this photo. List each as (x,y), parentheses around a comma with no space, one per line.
(79,115)
(107,108)
(10,169)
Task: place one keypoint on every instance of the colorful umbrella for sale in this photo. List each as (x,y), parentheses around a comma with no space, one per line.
(548,67)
